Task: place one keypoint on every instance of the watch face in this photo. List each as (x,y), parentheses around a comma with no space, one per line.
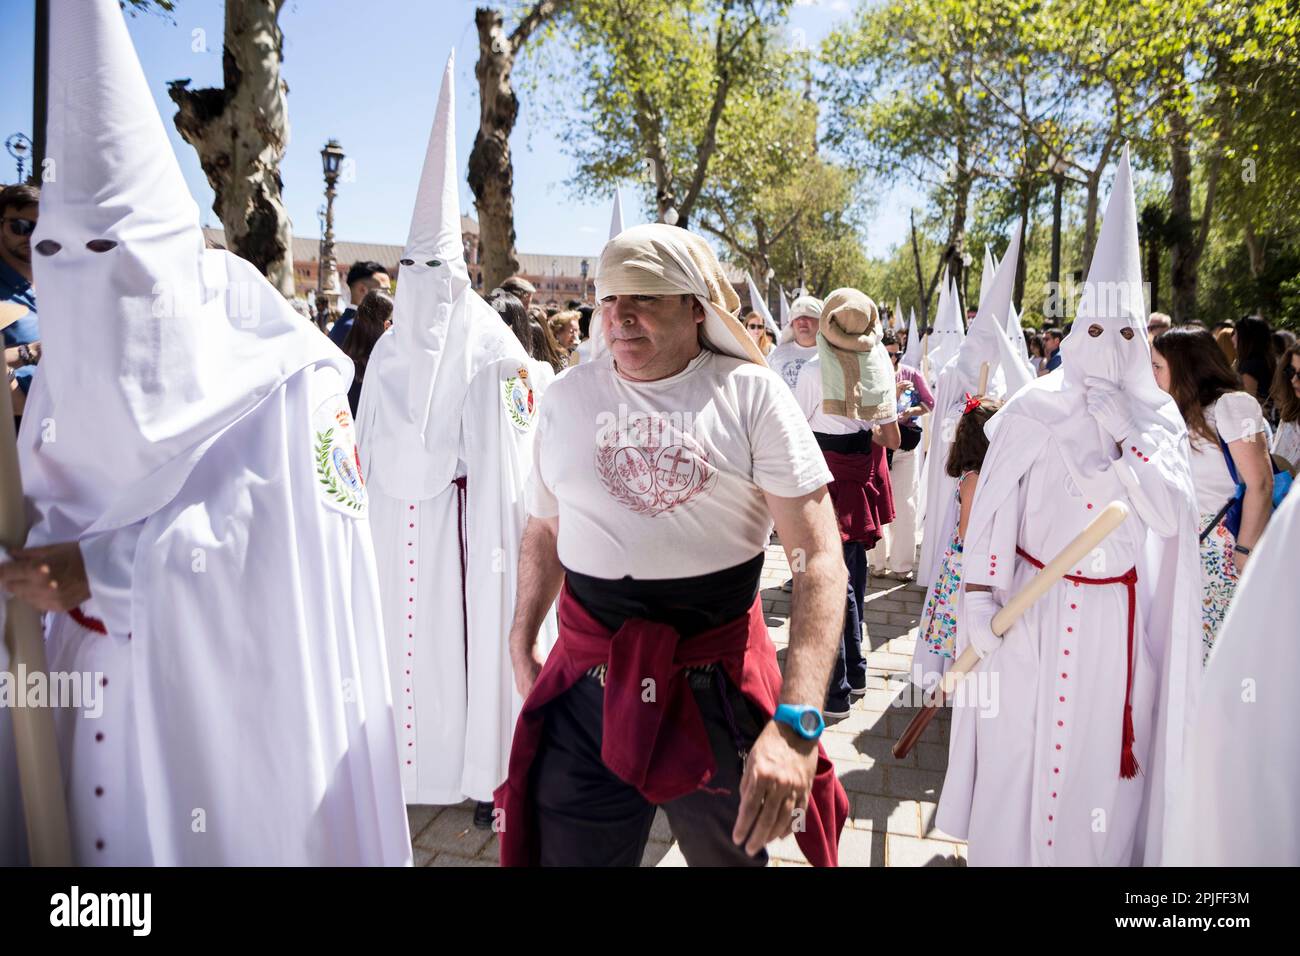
(809,722)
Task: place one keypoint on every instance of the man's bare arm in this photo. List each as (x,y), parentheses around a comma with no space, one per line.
(811,540)
(781,766)
(887,435)
(540,577)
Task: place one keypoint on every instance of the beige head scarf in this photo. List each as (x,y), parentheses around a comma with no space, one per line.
(658,259)
(850,320)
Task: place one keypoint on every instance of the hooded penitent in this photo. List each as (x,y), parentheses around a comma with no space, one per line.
(985,347)
(783,319)
(1117,736)
(986,278)
(443,333)
(1243,738)
(658,259)
(196,443)
(857,374)
(447,436)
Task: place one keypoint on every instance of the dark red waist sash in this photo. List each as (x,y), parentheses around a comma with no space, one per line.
(659,746)
(861,493)
(1128,765)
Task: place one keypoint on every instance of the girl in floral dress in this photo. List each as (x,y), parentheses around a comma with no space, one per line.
(937,634)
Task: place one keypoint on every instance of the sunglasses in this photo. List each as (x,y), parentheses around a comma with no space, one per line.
(754,328)
(1290,372)
(21,227)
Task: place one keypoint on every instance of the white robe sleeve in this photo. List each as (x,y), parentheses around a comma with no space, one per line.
(109,558)
(1149,469)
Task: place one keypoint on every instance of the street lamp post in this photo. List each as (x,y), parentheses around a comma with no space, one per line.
(19,147)
(331,160)
(583,267)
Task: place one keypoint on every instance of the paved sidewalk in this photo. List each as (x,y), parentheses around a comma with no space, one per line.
(892,802)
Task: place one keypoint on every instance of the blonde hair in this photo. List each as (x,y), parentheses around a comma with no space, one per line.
(560,319)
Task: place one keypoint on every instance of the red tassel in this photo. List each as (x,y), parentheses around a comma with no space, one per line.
(1128,765)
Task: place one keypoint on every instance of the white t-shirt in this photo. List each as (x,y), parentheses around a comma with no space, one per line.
(665,479)
(1236,415)
(787,359)
(808,391)
(1286,443)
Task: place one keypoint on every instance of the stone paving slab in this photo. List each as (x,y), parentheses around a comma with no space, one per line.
(892,802)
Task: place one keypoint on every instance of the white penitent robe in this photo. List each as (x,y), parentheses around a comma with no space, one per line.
(1034,763)
(443,559)
(1234,806)
(246,716)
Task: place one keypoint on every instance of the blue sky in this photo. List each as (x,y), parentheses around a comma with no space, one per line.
(367,74)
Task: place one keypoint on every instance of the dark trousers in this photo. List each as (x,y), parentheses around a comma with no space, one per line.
(850,665)
(586,816)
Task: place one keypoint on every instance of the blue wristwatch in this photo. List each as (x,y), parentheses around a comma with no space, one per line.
(806,721)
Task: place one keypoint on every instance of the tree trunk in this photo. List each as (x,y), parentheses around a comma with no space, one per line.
(922,293)
(1018,292)
(240,132)
(1153,272)
(491,169)
(1254,249)
(1182,252)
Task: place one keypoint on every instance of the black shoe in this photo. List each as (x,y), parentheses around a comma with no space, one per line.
(483,815)
(836,709)
(858,691)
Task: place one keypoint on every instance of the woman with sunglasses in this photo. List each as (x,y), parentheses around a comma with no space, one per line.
(19,208)
(1286,397)
(757,330)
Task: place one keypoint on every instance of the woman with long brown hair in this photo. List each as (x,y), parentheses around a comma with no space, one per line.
(1286,398)
(1226,426)
(545,348)
(1254,342)
(374,316)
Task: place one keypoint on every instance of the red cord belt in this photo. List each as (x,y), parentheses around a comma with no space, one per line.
(1128,765)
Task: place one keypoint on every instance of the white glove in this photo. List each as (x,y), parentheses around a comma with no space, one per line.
(978,621)
(1107,406)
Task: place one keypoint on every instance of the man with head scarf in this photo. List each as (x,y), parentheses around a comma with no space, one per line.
(200,534)
(798,340)
(854,449)
(661,466)
(1093,683)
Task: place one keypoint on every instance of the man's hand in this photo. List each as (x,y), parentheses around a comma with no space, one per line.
(52,578)
(525,661)
(778,781)
(1107,406)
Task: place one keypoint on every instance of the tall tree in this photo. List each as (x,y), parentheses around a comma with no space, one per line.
(240,131)
(665,88)
(491,167)
(901,82)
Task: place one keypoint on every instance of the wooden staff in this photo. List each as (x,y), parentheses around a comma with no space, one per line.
(984,379)
(39,773)
(1111,517)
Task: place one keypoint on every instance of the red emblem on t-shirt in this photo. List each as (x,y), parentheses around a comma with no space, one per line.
(653,471)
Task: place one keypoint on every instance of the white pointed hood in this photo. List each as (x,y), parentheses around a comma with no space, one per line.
(152,345)
(443,333)
(616,216)
(948,331)
(912,354)
(986,340)
(759,305)
(783,319)
(986,279)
